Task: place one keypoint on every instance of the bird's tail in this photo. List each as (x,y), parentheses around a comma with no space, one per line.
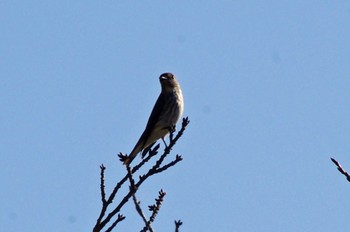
(133,154)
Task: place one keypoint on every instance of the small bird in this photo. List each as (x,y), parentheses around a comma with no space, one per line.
(165,114)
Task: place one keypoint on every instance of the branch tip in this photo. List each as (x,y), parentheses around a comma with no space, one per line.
(178,223)
(122,157)
(340,169)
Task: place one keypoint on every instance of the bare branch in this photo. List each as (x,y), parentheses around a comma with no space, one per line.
(140,212)
(156,207)
(119,219)
(172,163)
(177,225)
(103,198)
(104,217)
(133,189)
(102,186)
(340,169)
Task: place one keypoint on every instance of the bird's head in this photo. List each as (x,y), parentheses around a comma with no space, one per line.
(168,82)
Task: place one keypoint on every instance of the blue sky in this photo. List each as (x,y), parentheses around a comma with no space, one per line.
(266,87)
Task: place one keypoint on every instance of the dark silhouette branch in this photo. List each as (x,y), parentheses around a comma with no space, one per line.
(120,218)
(99,225)
(340,169)
(114,215)
(102,187)
(172,163)
(156,207)
(142,215)
(177,225)
(137,203)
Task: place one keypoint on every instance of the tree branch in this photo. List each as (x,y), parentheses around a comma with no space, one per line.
(177,225)
(340,169)
(104,217)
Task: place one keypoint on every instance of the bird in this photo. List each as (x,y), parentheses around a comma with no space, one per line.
(165,114)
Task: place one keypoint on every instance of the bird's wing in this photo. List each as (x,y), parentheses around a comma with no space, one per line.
(153,118)
(146,150)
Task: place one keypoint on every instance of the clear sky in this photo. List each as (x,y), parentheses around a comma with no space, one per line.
(266,87)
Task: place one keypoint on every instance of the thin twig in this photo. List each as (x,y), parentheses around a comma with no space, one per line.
(119,219)
(172,163)
(102,186)
(103,198)
(133,189)
(340,169)
(142,215)
(177,225)
(156,207)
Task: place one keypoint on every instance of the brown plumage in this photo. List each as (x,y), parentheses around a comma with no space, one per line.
(165,114)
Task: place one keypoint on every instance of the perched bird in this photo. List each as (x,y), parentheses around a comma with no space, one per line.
(165,114)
